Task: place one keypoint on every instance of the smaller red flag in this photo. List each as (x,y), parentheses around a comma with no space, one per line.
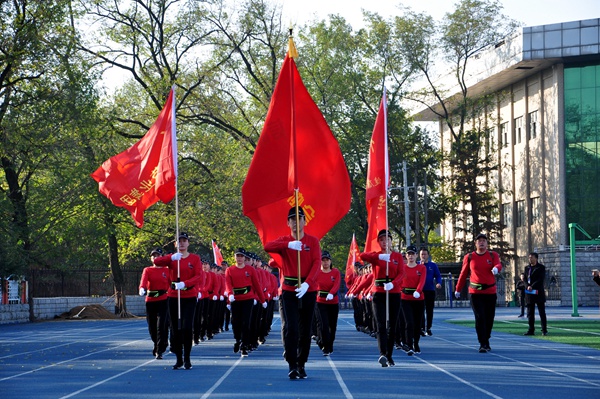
(353,257)
(217,253)
(146,172)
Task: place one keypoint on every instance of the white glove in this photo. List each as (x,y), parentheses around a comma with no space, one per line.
(229,307)
(215,297)
(255,302)
(295,245)
(176,256)
(199,295)
(268,295)
(329,297)
(231,298)
(384,257)
(142,291)
(276,298)
(388,286)
(495,270)
(369,297)
(264,304)
(302,290)
(179,286)
(457,294)
(416,295)
(221,298)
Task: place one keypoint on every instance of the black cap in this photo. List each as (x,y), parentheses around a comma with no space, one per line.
(292,212)
(480,235)
(411,248)
(383,233)
(358,265)
(184,235)
(325,254)
(158,251)
(224,263)
(240,251)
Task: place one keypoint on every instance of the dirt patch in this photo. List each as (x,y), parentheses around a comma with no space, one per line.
(88,312)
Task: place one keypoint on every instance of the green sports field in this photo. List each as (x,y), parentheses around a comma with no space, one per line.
(576,331)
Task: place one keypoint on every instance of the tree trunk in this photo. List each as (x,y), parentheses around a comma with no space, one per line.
(117,274)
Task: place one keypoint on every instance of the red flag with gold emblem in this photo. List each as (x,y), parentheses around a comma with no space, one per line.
(353,257)
(146,172)
(296,150)
(378,178)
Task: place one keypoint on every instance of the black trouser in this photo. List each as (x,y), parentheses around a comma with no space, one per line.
(357,312)
(241,316)
(296,319)
(227,320)
(427,321)
(412,312)
(531,315)
(181,339)
(386,330)
(198,319)
(328,317)
(484,310)
(158,324)
(400,327)
(522,302)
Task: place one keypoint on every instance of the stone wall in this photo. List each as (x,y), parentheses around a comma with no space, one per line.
(49,308)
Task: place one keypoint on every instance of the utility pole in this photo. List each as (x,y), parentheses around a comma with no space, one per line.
(406,207)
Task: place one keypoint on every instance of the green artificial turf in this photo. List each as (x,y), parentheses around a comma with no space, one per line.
(575,331)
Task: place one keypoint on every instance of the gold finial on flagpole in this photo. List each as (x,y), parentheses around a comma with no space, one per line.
(292,51)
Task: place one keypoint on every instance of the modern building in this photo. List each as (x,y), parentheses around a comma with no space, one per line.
(546,141)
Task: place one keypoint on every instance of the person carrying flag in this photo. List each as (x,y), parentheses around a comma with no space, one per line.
(185,273)
(154,285)
(298,298)
(388,271)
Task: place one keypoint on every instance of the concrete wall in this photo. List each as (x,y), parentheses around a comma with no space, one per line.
(49,308)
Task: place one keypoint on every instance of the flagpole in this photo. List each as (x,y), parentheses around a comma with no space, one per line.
(175,150)
(388,250)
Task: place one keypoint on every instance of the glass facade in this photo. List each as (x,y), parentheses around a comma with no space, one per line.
(582,146)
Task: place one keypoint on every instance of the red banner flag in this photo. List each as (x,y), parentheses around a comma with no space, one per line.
(147,171)
(353,257)
(217,253)
(296,150)
(378,178)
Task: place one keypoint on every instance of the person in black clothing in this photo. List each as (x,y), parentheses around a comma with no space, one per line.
(535,273)
(521,293)
(596,276)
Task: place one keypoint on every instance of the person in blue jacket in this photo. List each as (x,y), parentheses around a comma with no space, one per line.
(433,281)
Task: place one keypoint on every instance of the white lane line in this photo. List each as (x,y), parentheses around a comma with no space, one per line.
(340,380)
(220,380)
(70,360)
(106,380)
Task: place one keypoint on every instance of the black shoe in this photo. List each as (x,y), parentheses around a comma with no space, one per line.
(529,333)
(159,355)
(398,346)
(187,364)
(405,347)
(293,374)
(154,351)
(244,353)
(236,347)
(417,349)
(196,341)
(521,315)
(390,362)
(325,353)
(383,361)
(482,349)
(544,333)
(302,372)
(429,334)
(423,333)
(410,352)
(487,348)
(178,365)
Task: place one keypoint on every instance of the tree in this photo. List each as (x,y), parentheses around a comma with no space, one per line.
(472,27)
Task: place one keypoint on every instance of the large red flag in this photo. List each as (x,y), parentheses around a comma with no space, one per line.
(353,257)
(296,150)
(147,171)
(378,178)
(217,253)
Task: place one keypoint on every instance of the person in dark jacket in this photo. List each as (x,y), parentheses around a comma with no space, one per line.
(535,273)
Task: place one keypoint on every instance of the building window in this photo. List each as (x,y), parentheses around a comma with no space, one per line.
(518,129)
(506,215)
(520,213)
(536,212)
(533,119)
(504,134)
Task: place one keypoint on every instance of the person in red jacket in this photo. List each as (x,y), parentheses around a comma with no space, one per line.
(154,285)
(244,288)
(388,271)
(482,266)
(413,303)
(298,298)
(328,308)
(185,273)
